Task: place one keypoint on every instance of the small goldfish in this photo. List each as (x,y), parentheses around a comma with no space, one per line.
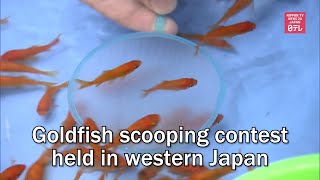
(109,75)
(12,172)
(7,66)
(13,81)
(178,84)
(187,170)
(37,170)
(218,119)
(148,173)
(238,6)
(93,126)
(232,30)
(211,174)
(27,53)
(165,178)
(146,123)
(46,101)
(216,42)
(4,20)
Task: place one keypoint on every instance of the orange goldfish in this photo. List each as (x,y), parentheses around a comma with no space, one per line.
(218,119)
(178,84)
(68,123)
(37,170)
(231,30)
(46,101)
(7,66)
(148,173)
(216,42)
(187,170)
(238,6)
(119,72)
(122,165)
(93,126)
(27,53)
(146,123)
(13,81)
(211,174)
(4,20)
(12,172)
(165,178)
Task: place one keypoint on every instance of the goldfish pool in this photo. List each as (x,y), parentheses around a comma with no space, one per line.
(272,78)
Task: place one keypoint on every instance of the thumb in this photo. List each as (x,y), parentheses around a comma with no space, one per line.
(133,15)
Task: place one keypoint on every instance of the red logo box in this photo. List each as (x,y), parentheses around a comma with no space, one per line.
(295,22)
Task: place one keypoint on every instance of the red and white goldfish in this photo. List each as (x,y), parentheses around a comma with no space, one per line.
(27,53)
(7,66)
(238,6)
(46,101)
(119,72)
(12,172)
(14,81)
(177,84)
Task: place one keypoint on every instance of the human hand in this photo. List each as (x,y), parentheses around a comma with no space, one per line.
(138,15)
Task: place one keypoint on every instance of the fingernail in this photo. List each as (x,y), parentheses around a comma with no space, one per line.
(163,6)
(164,24)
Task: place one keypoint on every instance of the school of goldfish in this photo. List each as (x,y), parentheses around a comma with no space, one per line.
(13,61)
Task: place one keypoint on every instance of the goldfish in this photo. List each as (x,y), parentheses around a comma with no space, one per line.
(216,42)
(37,170)
(231,30)
(4,20)
(12,172)
(238,6)
(46,101)
(165,178)
(68,123)
(177,84)
(7,66)
(218,119)
(28,53)
(122,165)
(187,170)
(93,126)
(148,173)
(13,81)
(146,123)
(109,75)
(211,174)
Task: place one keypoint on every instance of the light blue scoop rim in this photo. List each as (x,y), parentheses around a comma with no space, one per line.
(136,35)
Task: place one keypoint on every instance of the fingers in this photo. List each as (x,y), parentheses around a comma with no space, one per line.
(131,14)
(161,7)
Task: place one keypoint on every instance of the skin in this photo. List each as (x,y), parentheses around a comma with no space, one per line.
(7,66)
(146,123)
(46,101)
(109,75)
(177,84)
(12,172)
(238,6)
(14,81)
(137,15)
(28,53)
